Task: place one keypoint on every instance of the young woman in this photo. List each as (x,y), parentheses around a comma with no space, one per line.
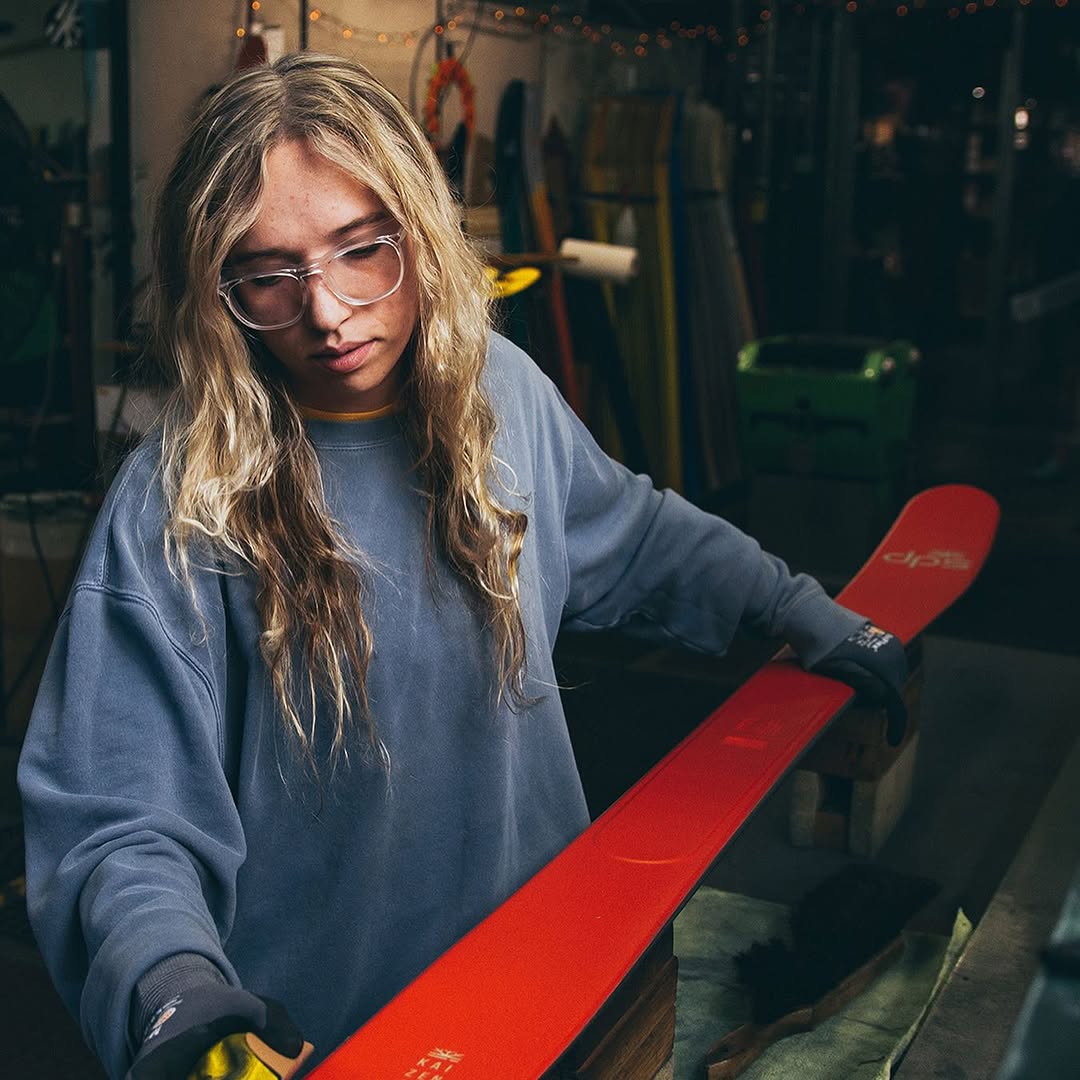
(300,728)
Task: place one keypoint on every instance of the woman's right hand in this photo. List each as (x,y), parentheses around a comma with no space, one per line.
(201,1034)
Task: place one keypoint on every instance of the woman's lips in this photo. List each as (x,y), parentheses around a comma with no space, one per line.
(344,358)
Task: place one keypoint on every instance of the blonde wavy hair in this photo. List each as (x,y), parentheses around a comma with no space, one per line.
(240,476)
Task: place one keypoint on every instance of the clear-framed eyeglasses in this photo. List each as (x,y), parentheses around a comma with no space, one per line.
(358,273)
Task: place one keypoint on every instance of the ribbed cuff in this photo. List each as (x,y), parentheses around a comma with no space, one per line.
(817,625)
(164,981)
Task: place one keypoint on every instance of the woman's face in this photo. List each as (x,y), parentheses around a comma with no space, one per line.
(339,357)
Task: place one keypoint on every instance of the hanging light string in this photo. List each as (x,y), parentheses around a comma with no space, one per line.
(322,19)
(566,24)
(511,20)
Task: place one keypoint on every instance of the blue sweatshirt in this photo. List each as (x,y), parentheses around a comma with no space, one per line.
(164,815)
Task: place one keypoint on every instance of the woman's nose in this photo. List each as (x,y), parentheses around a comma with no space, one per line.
(325,312)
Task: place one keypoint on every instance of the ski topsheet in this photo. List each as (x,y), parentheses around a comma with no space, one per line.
(510,997)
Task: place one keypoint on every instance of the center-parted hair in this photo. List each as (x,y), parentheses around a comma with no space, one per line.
(240,476)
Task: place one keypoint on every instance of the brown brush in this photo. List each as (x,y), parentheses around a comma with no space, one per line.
(844,933)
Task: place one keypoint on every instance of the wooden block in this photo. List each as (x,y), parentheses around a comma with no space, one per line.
(637,1047)
(831,830)
(634,1034)
(842,814)
(855,745)
(876,805)
(820,810)
(806,795)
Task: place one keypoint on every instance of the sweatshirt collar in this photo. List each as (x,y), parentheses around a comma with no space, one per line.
(344,430)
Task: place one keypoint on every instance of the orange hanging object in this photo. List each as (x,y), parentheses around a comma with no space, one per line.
(449,72)
(253,51)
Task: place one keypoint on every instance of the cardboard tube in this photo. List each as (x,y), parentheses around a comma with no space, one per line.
(603,262)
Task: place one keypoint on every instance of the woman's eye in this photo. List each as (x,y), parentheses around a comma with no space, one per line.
(267,281)
(361,252)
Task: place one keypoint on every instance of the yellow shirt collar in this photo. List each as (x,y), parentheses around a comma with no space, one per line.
(343,417)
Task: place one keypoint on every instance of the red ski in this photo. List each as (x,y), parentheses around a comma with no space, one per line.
(509,998)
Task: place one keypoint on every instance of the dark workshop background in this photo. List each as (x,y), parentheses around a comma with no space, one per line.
(858,226)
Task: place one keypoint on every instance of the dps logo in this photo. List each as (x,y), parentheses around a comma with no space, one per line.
(930,560)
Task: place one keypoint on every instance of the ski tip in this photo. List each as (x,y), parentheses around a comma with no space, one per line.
(958,496)
(933,552)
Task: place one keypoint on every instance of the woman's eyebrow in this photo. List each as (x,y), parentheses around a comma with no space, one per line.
(287,255)
(376,217)
(242,257)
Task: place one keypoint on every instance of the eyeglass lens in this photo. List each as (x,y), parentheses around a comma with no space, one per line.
(359,275)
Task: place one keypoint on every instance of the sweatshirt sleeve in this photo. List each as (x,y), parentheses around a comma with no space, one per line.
(133,839)
(651,560)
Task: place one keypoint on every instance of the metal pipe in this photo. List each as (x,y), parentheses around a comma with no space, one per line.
(839,173)
(997,277)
